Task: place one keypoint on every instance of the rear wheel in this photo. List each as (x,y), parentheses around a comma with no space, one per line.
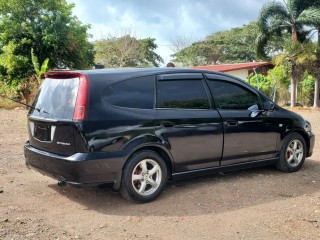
(292,154)
(144,177)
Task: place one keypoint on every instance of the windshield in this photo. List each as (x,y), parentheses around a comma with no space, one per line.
(56,99)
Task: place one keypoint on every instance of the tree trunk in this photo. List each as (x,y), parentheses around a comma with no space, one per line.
(294,74)
(317,80)
(294,37)
(293,91)
(294,81)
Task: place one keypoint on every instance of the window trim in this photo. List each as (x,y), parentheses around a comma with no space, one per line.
(177,77)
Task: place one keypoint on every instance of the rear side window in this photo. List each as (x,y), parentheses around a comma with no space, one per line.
(232,96)
(132,93)
(56,98)
(183,94)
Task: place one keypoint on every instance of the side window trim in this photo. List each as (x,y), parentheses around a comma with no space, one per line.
(177,77)
(180,76)
(234,82)
(217,77)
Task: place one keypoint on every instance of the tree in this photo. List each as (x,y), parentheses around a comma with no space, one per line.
(275,84)
(291,16)
(297,59)
(199,53)
(232,46)
(49,28)
(127,51)
(307,88)
(50,31)
(180,42)
(39,69)
(314,20)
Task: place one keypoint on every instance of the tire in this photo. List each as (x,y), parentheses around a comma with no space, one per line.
(292,154)
(144,177)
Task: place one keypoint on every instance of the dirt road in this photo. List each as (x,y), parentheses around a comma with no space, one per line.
(258,203)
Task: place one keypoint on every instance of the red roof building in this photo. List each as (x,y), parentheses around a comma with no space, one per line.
(240,70)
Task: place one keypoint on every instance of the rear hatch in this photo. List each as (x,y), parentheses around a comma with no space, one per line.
(58,105)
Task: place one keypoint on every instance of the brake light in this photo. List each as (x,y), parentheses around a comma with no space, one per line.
(80,110)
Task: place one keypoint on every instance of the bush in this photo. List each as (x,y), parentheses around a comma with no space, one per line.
(307,89)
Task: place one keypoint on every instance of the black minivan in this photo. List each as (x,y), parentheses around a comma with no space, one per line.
(134,129)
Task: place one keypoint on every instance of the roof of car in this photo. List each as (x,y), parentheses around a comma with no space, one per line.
(118,74)
(138,70)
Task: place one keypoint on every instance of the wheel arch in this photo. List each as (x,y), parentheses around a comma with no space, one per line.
(303,134)
(161,151)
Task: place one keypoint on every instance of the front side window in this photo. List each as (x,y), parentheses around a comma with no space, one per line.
(232,96)
(182,94)
(132,93)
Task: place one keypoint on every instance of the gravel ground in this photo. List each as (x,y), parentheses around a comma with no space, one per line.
(259,203)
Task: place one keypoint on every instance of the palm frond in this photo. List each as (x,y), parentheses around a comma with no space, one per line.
(280,59)
(296,7)
(310,16)
(277,26)
(272,10)
(260,44)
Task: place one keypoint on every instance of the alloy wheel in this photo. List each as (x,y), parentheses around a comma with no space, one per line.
(146,177)
(294,153)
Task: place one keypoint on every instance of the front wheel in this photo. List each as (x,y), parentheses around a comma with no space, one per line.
(292,154)
(144,177)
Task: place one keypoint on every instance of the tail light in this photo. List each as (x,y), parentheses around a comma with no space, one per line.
(80,110)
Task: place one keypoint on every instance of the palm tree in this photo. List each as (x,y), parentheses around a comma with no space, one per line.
(290,16)
(312,19)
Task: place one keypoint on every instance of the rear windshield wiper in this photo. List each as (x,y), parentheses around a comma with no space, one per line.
(29,106)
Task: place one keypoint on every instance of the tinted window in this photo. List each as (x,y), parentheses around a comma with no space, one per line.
(56,98)
(186,94)
(232,96)
(132,93)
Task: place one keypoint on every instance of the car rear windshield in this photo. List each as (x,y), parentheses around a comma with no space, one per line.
(56,99)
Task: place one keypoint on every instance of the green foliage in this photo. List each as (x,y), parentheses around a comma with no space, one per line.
(281,78)
(290,17)
(298,58)
(12,65)
(148,57)
(40,70)
(232,46)
(307,89)
(47,27)
(127,51)
(265,84)
(11,89)
(276,82)
(50,31)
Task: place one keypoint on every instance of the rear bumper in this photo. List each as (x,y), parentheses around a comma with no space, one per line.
(80,169)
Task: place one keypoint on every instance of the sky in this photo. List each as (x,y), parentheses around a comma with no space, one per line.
(164,20)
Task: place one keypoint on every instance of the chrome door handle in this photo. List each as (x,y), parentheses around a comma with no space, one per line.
(232,123)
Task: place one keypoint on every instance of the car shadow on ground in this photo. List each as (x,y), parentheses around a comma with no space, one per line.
(206,195)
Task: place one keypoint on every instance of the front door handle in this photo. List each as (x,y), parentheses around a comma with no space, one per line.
(167,124)
(232,123)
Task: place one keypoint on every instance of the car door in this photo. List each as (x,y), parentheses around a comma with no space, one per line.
(185,122)
(249,134)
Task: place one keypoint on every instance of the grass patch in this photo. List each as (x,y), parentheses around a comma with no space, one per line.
(8,104)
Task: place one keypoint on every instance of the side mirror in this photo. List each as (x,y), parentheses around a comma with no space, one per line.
(268,106)
(255,110)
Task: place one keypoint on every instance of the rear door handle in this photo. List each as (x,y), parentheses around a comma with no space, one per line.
(167,124)
(232,123)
